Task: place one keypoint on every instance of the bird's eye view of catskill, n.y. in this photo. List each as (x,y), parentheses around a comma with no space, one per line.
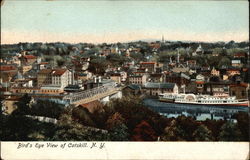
(129,71)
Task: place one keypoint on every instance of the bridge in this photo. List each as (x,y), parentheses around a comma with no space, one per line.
(99,93)
(102,93)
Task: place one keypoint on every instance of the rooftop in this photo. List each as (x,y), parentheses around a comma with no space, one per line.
(159,85)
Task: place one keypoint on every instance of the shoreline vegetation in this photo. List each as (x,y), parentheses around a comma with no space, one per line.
(125,119)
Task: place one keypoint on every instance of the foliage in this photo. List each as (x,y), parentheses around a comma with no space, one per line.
(243,124)
(144,132)
(229,132)
(20,128)
(46,108)
(117,129)
(98,65)
(23,106)
(83,116)
(202,133)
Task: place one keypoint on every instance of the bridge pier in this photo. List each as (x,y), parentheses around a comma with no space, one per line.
(105,100)
(116,95)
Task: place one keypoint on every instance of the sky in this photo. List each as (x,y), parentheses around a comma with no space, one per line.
(123,21)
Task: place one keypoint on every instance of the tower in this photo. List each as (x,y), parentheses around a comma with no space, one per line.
(162,39)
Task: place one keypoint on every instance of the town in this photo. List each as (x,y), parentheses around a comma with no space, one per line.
(40,80)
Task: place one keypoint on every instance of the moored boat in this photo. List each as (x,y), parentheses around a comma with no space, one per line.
(202,99)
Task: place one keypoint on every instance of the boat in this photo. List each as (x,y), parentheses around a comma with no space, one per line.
(193,99)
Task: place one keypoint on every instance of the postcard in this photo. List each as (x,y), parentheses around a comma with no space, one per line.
(124,79)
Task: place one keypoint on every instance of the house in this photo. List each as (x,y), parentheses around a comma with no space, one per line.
(180,69)
(8,68)
(98,82)
(137,79)
(133,89)
(154,89)
(236,63)
(215,72)
(217,88)
(150,66)
(43,65)
(239,90)
(233,71)
(83,76)
(240,55)
(25,68)
(178,78)
(156,77)
(191,63)
(28,59)
(23,83)
(9,105)
(115,77)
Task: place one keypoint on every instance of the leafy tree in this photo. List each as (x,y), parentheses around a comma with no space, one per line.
(172,132)
(225,61)
(202,133)
(243,124)
(144,132)
(214,126)
(98,65)
(83,116)
(188,125)
(46,108)
(229,132)
(20,128)
(23,106)
(118,130)
(70,130)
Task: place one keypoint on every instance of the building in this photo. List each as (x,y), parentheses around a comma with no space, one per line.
(215,72)
(178,78)
(217,88)
(55,77)
(9,105)
(116,77)
(98,82)
(156,77)
(150,66)
(154,89)
(198,51)
(191,63)
(239,90)
(84,76)
(133,89)
(233,71)
(137,79)
(28,59)
(236,63)
(25,68)
(199,81)
(240,55)
(180,69)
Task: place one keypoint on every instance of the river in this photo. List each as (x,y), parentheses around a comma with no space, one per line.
(199,112)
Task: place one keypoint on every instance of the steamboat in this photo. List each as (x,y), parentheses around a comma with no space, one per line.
(184,98)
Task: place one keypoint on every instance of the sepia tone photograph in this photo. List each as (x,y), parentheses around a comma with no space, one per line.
(124,71)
